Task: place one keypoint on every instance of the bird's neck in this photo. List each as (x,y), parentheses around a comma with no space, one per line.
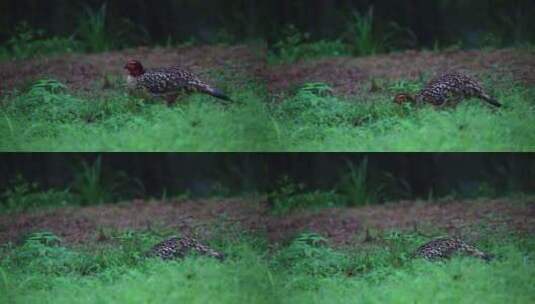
(418,98)
(131,81)
(137,73)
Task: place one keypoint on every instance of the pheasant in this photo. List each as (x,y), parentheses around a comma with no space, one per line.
(447,247)
(452,86)
(167,82)
(179,247)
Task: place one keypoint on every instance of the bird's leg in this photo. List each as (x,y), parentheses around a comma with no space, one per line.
(455,99)
(171,98)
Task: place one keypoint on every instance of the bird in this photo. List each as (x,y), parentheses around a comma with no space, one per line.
(169,82)
(179,247)
(446,247)
(448,87)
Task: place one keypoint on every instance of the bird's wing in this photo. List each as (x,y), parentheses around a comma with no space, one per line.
(156,82)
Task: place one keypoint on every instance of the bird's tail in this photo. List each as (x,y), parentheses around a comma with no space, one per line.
(478,253)
(217,93)
(491,100)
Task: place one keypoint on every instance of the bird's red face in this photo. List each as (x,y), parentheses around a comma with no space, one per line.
(134,68)
(403,98)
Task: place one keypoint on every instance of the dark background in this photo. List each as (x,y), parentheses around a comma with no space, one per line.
(155,21)
(198,173)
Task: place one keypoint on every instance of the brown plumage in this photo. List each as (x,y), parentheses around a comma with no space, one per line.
(167,82)
(180,247)
(448,87)
(445,248)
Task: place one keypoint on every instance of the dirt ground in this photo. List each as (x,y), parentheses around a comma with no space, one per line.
(85,72)
(347,75)
(341,225)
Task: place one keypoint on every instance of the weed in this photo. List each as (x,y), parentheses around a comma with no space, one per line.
(27,42)
(312,105)
(356,186)
(297,46)
(404,86)
(45,238)
(290,196)
(305,271)
(50,118)
(23,195)
(92,186)
(309,254)
(93,30)
(364,41)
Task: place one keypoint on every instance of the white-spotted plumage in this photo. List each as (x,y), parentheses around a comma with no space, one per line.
(450,87)
(180,247)
(167,82)
(446,247)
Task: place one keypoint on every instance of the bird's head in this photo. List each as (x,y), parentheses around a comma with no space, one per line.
(403,98)
(134,68)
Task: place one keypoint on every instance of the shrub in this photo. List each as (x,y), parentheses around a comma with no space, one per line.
(28,43)
(290,196)
(357,187)
(295,46)
(23,196)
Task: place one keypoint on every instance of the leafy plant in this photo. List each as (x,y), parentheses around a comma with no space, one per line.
(93,30)
(296,45)
(304,121)
(357,187)
(364,41)
(313,105)
(27,42)
(309,254)
(92,186)
(46,238)
(23,195)
(306,270)
(319,89)
(404,86)
(290,196)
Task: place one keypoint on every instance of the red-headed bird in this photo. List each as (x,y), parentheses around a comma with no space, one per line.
(448,87)
(168,82)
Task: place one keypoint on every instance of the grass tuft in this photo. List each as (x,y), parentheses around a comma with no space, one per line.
(48,117)
(307,270)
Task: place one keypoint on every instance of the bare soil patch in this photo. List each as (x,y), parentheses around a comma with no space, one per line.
(340,225)
(349,76)
(83,72)
(241,63)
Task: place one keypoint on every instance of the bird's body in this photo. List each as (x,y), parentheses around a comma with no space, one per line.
(445,248)
(179,247)
(448,88)
(167,82)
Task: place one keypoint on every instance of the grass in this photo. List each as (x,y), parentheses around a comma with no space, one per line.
(93,29)
(362,27)
(295,45)
(306,270)
(91,185)
(48,117)
(21,195)
(93,33)
(27,42)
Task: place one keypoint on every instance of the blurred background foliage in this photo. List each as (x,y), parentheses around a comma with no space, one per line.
(356,26)
(290,181)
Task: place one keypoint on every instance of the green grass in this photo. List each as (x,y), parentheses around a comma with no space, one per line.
(304,271)
(27,42)
(362,27)
(48,117)
(295,45)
